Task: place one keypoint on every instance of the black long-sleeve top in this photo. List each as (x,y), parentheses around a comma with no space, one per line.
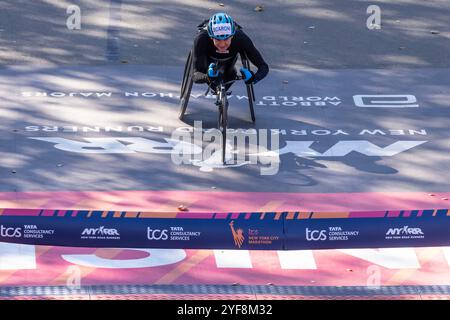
(205,51)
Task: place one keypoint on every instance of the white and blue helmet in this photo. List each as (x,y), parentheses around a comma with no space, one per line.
(221,26)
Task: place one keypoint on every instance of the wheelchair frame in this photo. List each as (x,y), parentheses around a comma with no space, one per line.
(187,83)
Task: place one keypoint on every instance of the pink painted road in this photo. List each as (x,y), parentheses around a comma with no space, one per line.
(57,266)
(218,201)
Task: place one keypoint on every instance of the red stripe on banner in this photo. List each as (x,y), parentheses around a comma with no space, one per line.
(21,212)
(48,213)
(290,215)
(235,215)
(227,215)
(407,214)
(304,215)
(393,214)
(221,216)
(195,215)
(367,214)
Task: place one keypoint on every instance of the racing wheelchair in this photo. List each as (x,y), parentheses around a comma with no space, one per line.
(187,82)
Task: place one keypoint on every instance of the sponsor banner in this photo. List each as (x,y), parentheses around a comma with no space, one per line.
(366,233)
(250,234)
(249,231)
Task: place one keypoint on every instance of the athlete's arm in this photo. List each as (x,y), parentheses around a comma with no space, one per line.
(255,57)
(200,60)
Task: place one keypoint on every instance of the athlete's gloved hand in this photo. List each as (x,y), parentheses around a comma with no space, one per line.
(212,72)
(249,76)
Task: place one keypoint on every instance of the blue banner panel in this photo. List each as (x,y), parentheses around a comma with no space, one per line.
(250,234)
(249,231)
(367,232)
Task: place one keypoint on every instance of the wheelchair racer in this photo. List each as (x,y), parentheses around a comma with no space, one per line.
(217,48)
